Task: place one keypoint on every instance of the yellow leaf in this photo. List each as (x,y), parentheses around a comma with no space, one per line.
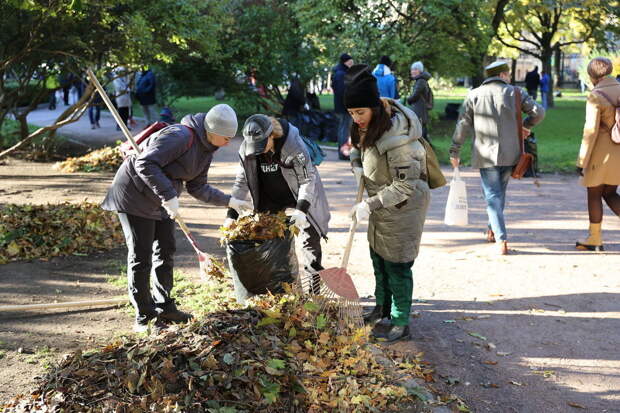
(13,249)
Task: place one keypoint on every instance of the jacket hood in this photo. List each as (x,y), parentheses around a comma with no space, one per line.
(381,70)
(197,123)
(405,129)
(424,75)
(607,81)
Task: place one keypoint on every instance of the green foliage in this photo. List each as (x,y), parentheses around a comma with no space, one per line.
(447,35)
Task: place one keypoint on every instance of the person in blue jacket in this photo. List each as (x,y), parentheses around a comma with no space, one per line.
(545,87)
(386,81)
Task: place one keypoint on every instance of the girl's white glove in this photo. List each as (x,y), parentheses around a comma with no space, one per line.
(360,211)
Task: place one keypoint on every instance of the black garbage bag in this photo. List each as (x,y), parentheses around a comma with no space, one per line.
(329,127)
(260,266)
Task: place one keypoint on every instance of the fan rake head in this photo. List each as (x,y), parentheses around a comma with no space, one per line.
(334,289)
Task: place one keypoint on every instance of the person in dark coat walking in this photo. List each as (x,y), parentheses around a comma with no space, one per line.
(344,119)
(532,82)
(145,93)
(145,194)
(420,96)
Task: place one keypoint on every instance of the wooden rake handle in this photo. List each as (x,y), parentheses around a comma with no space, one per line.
(353,227)
(128,136)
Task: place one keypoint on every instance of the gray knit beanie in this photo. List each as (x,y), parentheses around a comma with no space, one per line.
(417,65)
(221,120)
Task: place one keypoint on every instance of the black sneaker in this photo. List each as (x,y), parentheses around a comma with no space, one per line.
(375,315)
(175,316)
(146,326)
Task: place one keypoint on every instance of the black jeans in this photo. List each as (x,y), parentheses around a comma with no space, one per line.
(151,247)
(124,114)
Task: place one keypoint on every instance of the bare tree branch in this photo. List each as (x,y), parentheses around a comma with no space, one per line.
(70,115)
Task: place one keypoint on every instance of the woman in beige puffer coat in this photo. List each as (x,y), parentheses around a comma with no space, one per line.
(391,161)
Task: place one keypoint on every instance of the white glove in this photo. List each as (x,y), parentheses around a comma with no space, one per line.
(361,211)
(300,220)
(240,205)
(228,222)
(172,207)
(358,171)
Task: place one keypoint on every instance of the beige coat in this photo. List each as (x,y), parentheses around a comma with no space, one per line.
(599,156)
(397,190)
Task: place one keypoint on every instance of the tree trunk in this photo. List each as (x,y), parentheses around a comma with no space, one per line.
(557,57)
(513,69)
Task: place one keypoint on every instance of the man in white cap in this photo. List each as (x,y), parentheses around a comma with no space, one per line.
(491,111)
(145,194)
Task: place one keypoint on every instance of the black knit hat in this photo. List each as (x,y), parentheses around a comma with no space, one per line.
(345,57)
(385,60)
(360,88)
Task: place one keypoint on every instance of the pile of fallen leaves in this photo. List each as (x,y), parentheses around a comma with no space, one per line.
(258,227)
(283,354)
(43,231)
(106,159)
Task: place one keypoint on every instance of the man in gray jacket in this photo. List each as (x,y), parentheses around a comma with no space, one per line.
(491,111)
(145,194)
(276,170)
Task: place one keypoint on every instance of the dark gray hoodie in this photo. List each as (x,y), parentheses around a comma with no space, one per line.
(420,94)
(167,159)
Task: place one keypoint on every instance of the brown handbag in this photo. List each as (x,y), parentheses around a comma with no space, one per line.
(526,159)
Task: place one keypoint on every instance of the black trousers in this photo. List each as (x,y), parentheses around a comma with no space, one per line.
(124,114)
(150,261)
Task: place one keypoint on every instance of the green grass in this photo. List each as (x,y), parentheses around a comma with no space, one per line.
(196,296)
(558,136)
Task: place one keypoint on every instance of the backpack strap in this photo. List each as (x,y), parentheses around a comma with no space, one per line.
(192,137)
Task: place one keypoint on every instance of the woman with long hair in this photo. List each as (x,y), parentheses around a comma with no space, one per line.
(599,156)
(391,161)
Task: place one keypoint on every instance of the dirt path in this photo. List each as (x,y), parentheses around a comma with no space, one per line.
(530,332)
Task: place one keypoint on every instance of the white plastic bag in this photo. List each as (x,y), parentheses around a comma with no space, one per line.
(456,207)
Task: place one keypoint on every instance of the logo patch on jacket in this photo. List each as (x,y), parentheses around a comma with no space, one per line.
(269,167)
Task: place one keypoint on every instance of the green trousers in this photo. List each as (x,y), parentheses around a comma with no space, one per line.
(393,287)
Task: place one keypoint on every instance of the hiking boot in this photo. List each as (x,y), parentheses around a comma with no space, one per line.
(594,242)
(175,316)
(397,333)
(490,235)
(376,314)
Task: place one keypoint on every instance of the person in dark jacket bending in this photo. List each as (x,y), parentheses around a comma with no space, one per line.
(276,170)
(145,194)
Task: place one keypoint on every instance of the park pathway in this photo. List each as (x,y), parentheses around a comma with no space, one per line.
(535,331)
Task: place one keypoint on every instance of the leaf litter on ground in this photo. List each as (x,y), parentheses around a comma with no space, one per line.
(44,231)
(106,159)
(231,360)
